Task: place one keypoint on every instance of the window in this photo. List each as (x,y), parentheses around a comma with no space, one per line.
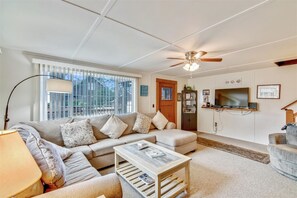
(93,94)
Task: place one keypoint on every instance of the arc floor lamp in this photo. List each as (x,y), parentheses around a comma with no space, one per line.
(55,84)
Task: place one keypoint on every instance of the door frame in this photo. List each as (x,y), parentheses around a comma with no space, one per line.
(174,95)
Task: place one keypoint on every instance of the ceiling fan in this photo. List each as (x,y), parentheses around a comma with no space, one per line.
(192,59)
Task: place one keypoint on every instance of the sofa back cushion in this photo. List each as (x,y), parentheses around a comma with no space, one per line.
(97,123)
(129,119)
(50,129)
(151,115)
(291,134)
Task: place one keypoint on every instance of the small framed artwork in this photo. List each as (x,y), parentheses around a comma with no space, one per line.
(179,96)
(205,92)
(143,90)
(270,91)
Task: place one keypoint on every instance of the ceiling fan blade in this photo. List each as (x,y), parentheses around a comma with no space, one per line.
(211,59)
(175,58)
(200,53)
(177,64)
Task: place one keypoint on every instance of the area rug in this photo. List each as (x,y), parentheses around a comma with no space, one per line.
(243,152)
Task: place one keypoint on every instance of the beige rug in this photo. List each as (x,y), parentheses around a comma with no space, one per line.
(218,174)
(243,152)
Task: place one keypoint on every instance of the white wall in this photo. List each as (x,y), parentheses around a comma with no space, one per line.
(15,66)
(255,126)
(146,102)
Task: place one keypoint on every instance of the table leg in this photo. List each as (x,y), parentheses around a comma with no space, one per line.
(116,161)
(158,187)
(187,177)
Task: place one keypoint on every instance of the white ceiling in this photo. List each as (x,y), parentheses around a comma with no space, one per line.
(138,35)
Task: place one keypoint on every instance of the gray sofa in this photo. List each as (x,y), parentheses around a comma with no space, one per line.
(82,164)
(101,153)
(282,149)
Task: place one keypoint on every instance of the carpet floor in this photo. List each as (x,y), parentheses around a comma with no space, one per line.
(218,174)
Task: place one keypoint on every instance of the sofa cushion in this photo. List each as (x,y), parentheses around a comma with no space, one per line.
(48,160)
(137,136)
(142,123)
(78,133)
(151,115)
(130,120)
(103,147)
(283,152)
(97,123)
(79,169)
(291,134)
(174,137)
(114,127)
(50,129)
(63,152)
(86,150)
(159,121)
(25,130)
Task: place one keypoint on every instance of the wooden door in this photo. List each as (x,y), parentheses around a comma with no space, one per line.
(166,98)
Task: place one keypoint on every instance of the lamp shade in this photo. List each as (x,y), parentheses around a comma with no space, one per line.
(18,169)
(191,67)
(59,86)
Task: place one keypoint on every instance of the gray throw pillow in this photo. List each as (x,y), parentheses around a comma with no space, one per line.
(48,160)
(291,134)
(50,129)
(129,119)
(78,133)
(63,152)
(142,123)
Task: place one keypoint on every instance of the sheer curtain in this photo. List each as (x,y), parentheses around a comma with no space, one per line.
(94,93)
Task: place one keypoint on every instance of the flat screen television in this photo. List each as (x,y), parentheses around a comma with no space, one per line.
(237,97)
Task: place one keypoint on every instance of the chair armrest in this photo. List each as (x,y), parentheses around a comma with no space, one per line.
(170,125)
(108,185)
(277,138)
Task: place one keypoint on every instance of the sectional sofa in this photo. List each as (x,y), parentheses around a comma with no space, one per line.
(101,153)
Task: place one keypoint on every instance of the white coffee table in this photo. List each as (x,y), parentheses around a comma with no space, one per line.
(161,169)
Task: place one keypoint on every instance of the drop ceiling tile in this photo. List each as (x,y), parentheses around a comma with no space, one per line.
(94,5)
(49,27)
(158,61)
(267,23)
(172,20)
(115,44)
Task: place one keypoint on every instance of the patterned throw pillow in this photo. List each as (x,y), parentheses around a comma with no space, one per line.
(142,123)
(48,160)
(114,127)
(78,133)
(160,121)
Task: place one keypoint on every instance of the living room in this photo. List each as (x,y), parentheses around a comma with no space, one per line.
(122,56)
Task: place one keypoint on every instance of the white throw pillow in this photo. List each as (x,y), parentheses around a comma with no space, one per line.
(78,133)
(114,127)
(142,123)
(160,121)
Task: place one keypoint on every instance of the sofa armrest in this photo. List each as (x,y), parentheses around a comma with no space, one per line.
(277,138)
(170,125)
(108,185)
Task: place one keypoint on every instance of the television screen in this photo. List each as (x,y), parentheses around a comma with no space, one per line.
(238,97)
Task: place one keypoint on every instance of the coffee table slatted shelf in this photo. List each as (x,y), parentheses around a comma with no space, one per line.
(171,186)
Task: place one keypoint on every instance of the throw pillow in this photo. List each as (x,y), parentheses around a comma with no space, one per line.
(63,152)
(78,133)
(48,160)
(160,121)
(114,127)
(151,115)
(142,123)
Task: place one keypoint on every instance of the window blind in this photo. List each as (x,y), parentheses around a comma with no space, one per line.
(94,93)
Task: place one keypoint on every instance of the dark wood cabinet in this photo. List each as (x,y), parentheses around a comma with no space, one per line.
(189,110)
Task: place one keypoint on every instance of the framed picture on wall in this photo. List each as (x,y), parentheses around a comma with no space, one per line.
(179,96)
(143,90)
(270,91)
(205,92)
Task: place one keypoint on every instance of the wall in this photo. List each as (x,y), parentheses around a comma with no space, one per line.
(255,126)
(15,66)
(145,104)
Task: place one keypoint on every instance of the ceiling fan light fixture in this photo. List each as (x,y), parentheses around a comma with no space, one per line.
(191,67)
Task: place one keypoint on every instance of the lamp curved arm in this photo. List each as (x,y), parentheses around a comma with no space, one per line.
(6,119)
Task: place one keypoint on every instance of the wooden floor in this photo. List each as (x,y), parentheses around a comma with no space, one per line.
(240,143)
